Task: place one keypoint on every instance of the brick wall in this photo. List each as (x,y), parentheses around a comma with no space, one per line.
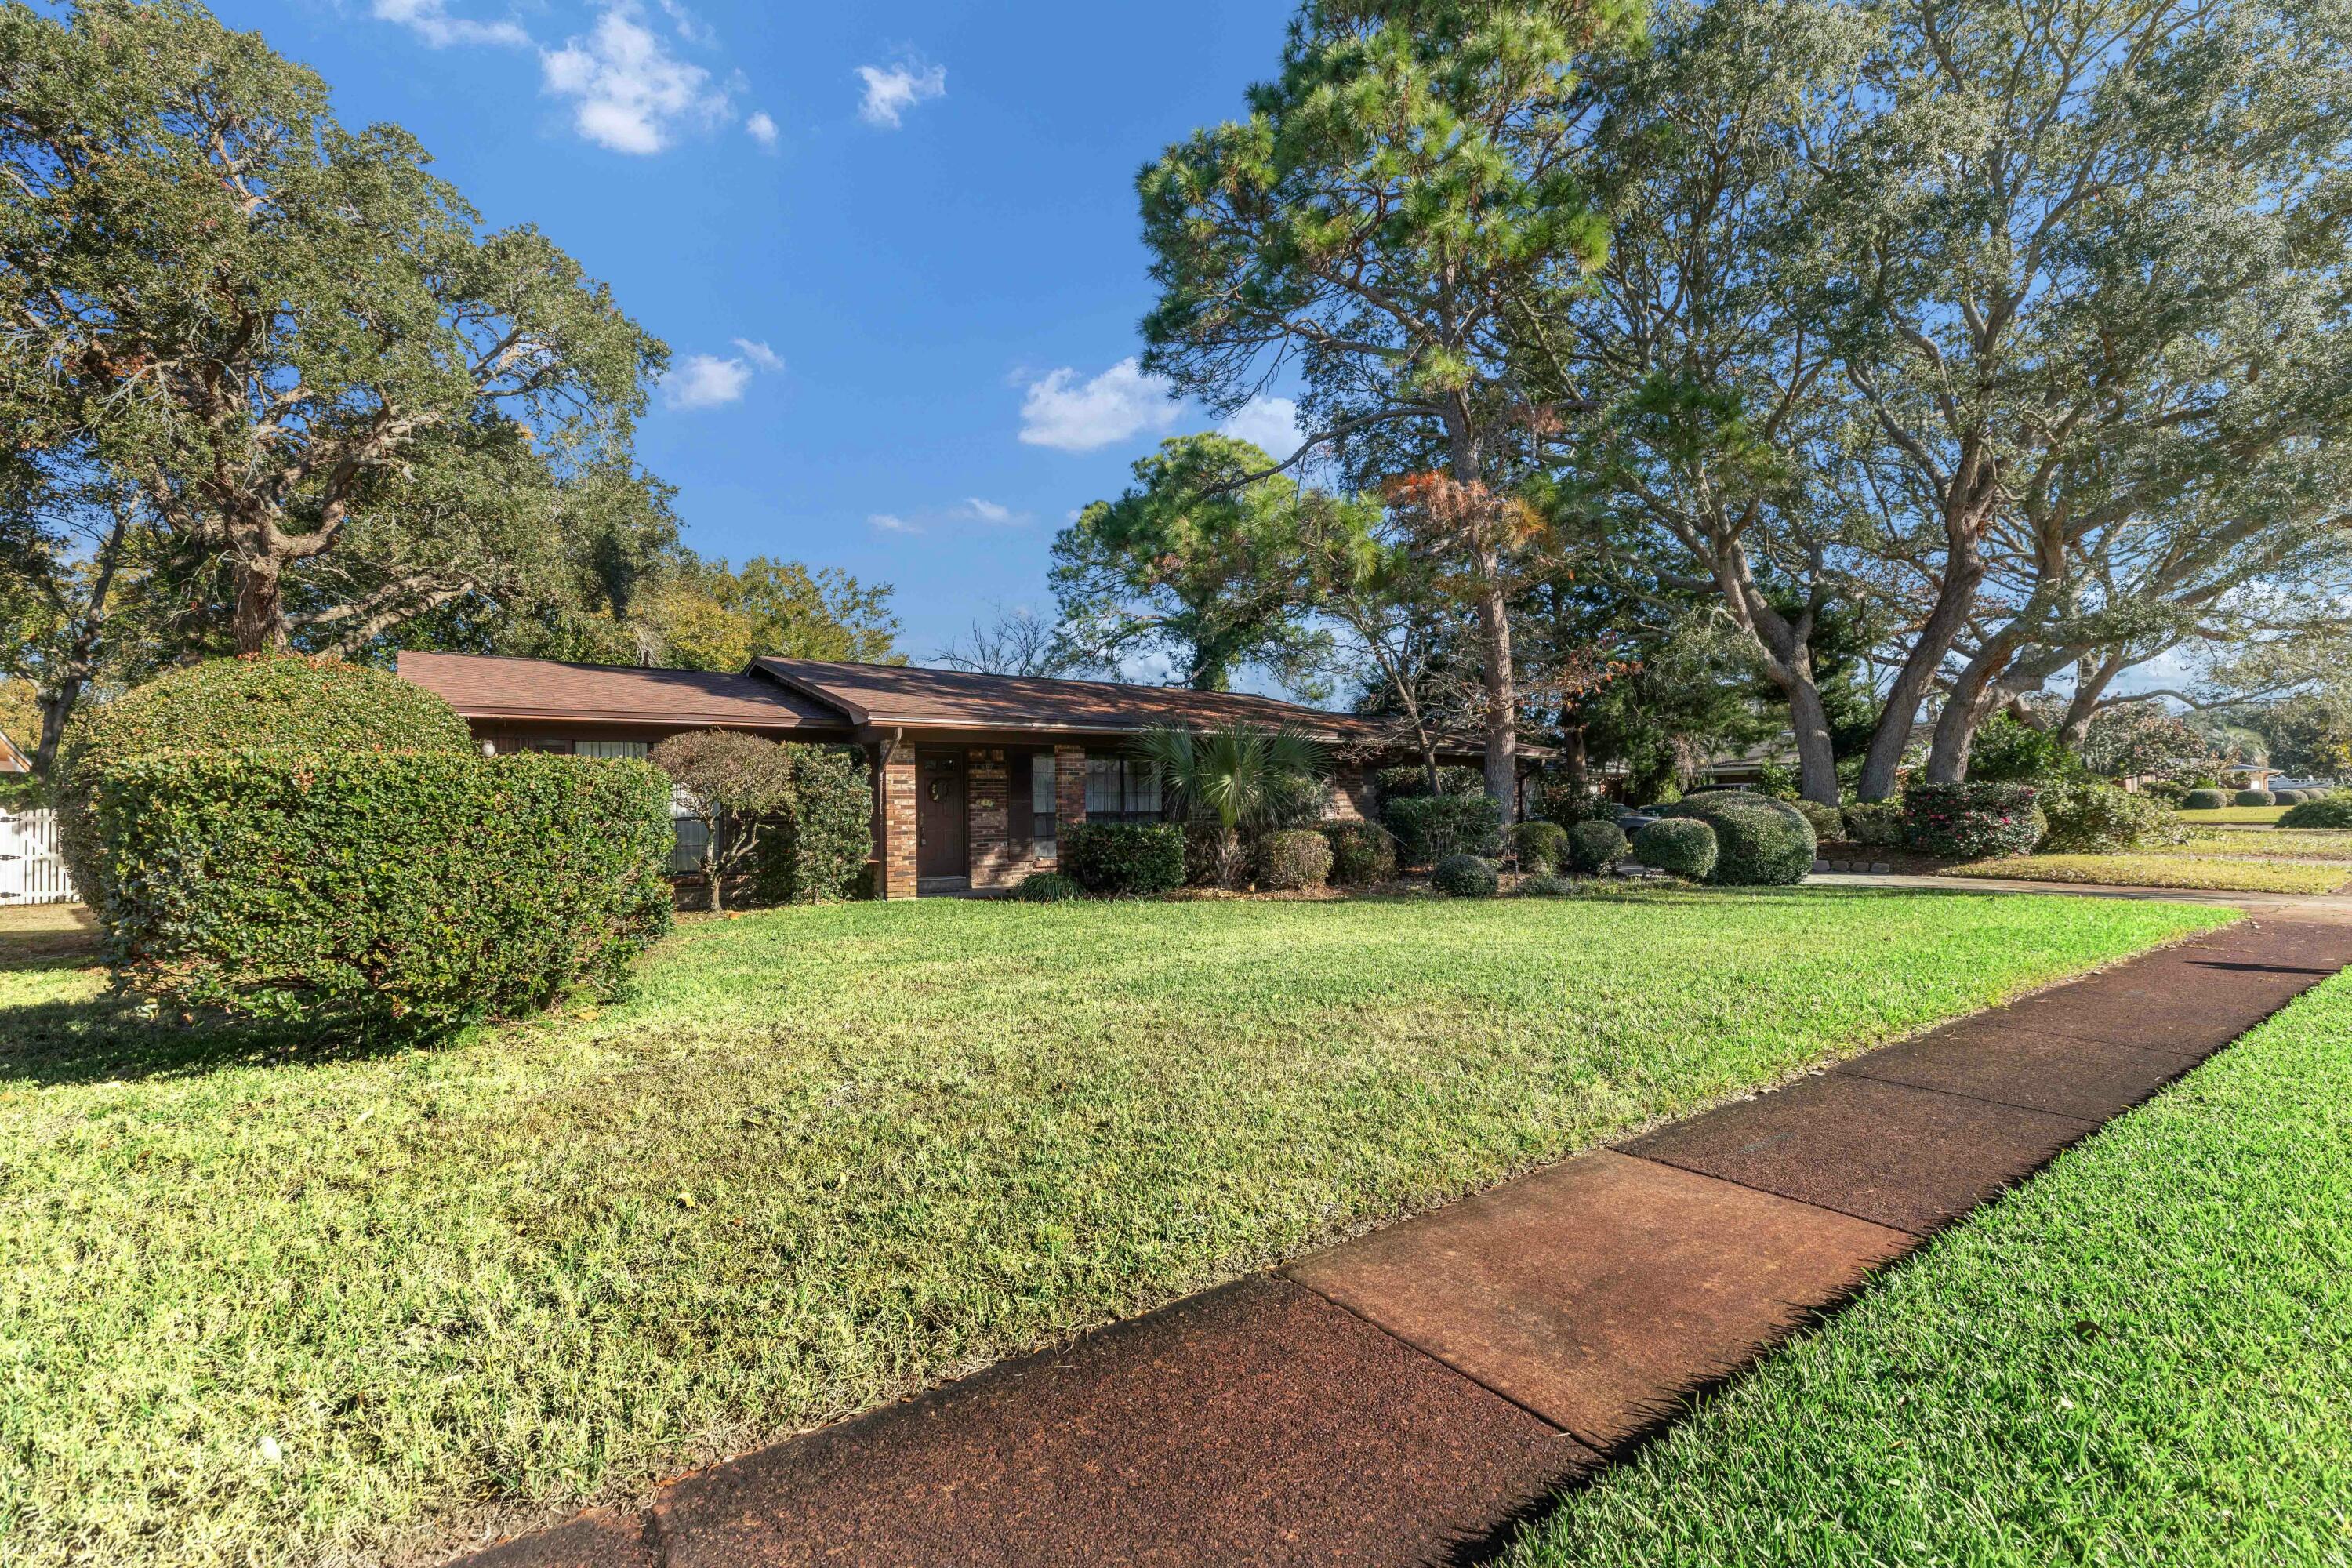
(897,848)
(987,819)
(1352,794)
(1069,786)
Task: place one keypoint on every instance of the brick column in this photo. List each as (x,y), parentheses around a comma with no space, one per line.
(1350,792)
(1069,786)
(897,848)
(987,819)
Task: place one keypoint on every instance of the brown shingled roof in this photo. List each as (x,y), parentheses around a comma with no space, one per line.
(482,686)
(956,699)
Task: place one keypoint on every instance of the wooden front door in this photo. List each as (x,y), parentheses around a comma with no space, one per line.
(940,815)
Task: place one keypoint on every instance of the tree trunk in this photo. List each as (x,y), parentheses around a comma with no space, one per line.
(1943,627)
(1817,777)
(712,827)
(1502,691)
(259,622)
(1971,703)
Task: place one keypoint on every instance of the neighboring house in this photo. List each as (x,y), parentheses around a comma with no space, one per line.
(13,760)
(975,775)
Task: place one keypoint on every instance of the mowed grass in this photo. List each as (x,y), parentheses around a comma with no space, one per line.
(2143,1356)
(265,1303)
(2168,869)
(2235,813)
(2270,843)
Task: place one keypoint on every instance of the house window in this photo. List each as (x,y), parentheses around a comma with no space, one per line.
(1122,789)
(1042,808)
(635,749)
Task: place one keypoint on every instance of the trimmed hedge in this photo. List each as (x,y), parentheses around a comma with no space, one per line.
(1759,842)
(1047,888)
(2253,797)
(1115,858)
(410,891)
(814,847)
(1295,859)
(1829,821)
(1594,847)
(2328,811)
(1972,821)
(2289,797)
(1543,885)
(2204,800)
(1361,853)
(1429,827)
(271,701)
(1540,846)
(1465,876)
(2099,819)
(1679,846)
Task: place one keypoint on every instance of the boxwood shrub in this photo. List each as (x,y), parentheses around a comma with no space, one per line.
(1972,821)
(2328,811)
(2204,800)
(2100,820)
(1679,846)
(1429,827)
(1545,885)
(1759,842)
(1874,824)
(2288,796)
(1829,821)
(256,701)
(1293,858)
(1124,858)
(1540,846)
(1594,847)
(2253,797)
(1363,853)
(1047,888)
(411,891)
(1465,876)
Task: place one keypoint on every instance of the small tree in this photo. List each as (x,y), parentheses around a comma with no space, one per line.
(726,781)
(1237,772)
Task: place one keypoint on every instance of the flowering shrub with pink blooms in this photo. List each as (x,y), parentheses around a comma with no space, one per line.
(1972,821)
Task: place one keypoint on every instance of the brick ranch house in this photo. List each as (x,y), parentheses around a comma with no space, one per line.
(974,775)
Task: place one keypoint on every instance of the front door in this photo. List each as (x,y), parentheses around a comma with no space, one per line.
(938,816)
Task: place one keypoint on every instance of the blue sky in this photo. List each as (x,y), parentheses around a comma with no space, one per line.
(894,250)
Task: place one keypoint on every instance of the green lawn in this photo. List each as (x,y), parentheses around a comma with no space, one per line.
(2143,1356)
(2271,842)
(2227,813)
(265,1304)
(2167,868)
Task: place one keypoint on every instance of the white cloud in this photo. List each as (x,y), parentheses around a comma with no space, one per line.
(1070,415)
(887,522)
(762,129)
(705,381)
(633,95)
(690,27)
(988,511)
(1269,424)
(430,20)
(760,355)
(891,92)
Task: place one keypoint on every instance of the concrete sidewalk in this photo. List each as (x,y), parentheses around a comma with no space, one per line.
(1402,1398)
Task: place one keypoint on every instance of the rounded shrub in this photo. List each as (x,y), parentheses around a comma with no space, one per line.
(259,701)
(1429,827)
(1294,858)
(1540,846)
(1138,859)
(2253,797)
(1758,842)
(2329,811)
(1047,888)
(1829,821)
(2204,800)
(1363,853)
(1874,824)
(1545,885)
(1972,821)
(1679,846)
(2100,820)
(2288,796)
(1594,847)
(1465,876)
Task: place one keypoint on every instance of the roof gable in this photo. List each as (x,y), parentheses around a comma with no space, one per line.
(487,686)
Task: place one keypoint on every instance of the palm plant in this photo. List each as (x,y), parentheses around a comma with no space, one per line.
(1234,773)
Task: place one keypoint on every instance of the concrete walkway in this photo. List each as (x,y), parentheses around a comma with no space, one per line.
(1402,1398)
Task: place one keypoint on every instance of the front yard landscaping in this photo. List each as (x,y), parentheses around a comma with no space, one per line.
(2140,1357)
(2259,815)
(266,1302)
(2168,868)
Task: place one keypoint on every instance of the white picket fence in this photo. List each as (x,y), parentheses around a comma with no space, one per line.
(31,871)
